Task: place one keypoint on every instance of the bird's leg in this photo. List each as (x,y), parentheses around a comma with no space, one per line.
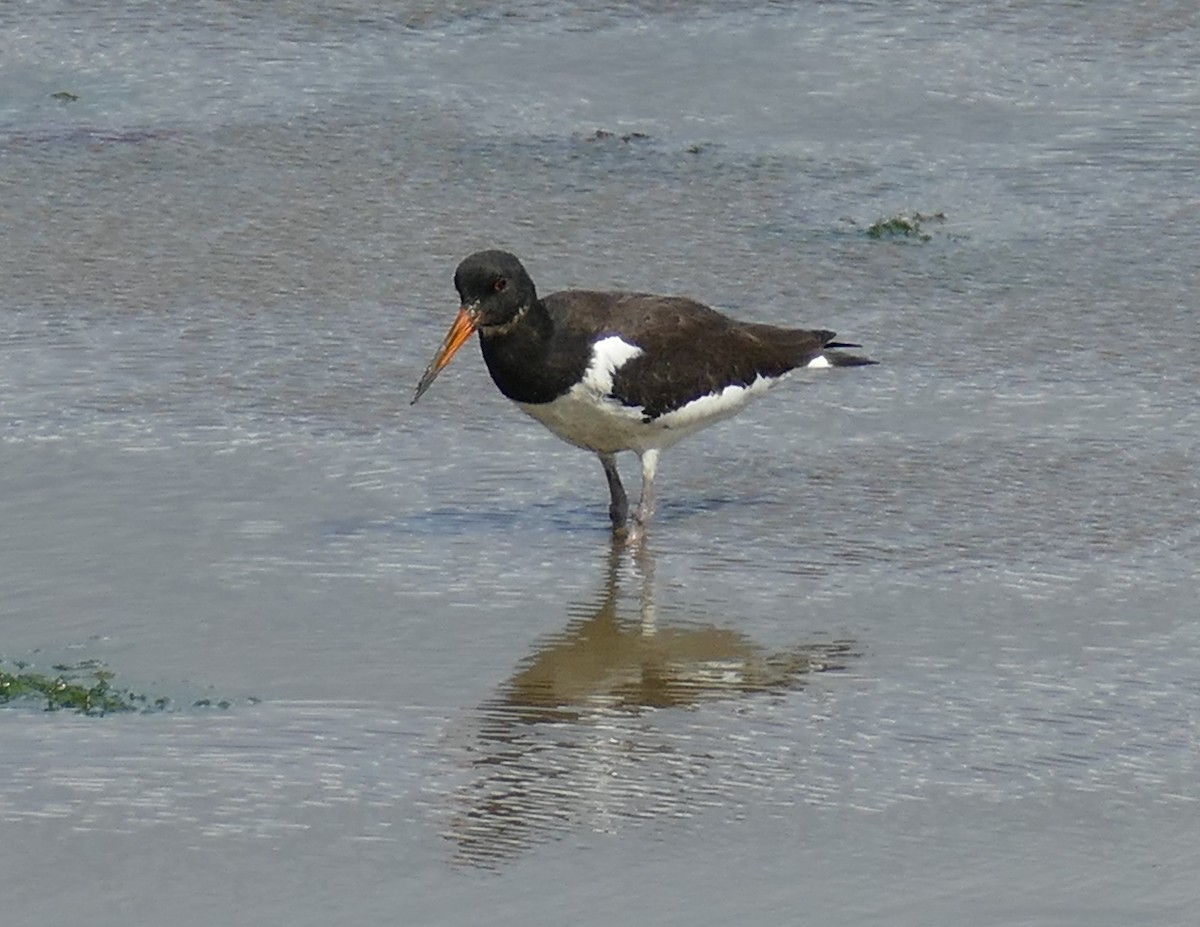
(645,507)
(618,509)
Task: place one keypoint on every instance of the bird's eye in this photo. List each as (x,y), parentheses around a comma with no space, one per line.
(499,285)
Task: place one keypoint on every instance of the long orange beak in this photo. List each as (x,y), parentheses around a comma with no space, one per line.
(462,329)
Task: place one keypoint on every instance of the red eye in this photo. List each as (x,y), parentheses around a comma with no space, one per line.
(499,285)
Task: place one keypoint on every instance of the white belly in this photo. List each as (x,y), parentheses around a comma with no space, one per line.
(596,421)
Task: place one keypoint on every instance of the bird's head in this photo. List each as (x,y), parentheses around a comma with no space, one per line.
(495,292)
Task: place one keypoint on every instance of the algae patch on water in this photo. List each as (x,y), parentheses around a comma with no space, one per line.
(86,688)
(912,227)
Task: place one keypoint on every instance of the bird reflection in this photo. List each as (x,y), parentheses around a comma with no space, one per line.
(570,739)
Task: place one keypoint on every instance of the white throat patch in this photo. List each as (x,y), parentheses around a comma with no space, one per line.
(505,327)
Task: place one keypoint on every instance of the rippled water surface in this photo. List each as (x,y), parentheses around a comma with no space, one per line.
(910,644)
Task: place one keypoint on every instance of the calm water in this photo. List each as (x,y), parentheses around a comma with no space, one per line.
(914,645)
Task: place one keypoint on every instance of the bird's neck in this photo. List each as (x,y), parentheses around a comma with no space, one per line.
(529,326)
(517,355)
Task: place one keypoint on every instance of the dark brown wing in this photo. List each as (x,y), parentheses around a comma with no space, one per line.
(690,350)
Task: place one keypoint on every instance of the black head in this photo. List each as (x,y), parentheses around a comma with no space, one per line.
(495,292)
(494,288)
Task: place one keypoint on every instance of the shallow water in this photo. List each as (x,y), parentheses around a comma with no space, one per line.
(914,643)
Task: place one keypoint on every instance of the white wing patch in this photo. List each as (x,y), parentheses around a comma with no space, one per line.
(608,356)
(819,362)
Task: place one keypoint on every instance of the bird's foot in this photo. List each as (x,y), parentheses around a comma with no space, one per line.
(630,534)
(635,532)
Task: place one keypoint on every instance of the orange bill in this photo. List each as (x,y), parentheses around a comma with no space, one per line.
(462,329)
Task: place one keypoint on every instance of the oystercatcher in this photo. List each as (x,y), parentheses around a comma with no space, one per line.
(615,371)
